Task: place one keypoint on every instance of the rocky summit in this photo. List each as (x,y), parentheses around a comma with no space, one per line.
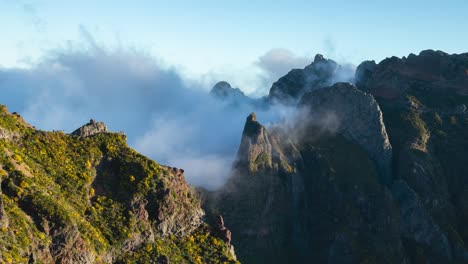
(320,73)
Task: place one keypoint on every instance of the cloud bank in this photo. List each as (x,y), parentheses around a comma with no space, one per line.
(173,120)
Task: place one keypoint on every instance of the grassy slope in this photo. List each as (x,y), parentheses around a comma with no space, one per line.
(48,184)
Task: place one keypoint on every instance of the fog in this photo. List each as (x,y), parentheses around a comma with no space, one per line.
(166,117)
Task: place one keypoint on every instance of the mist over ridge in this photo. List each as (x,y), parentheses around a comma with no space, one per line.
(167,116)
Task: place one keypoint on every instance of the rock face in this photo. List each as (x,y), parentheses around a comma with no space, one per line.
(417,223)
(320,73)
(91,128)
(423,100)
(173,221)
(356,115)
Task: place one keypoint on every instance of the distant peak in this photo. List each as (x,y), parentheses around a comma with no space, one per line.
(319,58)
(222,85)
(223,90)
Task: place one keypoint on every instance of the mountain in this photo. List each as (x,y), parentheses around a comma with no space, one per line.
(224,90)
(366,173)
(320,73)
(87,197)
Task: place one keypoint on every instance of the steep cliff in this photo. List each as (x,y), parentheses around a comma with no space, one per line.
(356,116)
(423,99)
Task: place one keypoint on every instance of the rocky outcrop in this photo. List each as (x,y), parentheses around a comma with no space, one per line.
(342,108)
(224,233)
(175,212)
(9,135)
(91,128)
(320,73)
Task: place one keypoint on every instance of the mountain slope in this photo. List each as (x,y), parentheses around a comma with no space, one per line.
(89,198)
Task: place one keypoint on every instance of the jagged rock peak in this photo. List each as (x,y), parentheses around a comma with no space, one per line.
(322,72)
(91,128)
(255,142)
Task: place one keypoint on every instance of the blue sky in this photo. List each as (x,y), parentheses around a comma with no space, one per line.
(202,36)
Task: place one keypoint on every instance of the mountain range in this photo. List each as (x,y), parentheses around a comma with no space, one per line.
(368,169)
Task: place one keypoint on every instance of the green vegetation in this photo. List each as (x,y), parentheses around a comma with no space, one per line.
(198,248)
(55,186)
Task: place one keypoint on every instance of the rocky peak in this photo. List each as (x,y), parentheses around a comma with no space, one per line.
(320,73)
(355,115)
(252,117)
(252,127)
(224,90)
(91,128)
(221,87)
(318,58)
(255,148)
